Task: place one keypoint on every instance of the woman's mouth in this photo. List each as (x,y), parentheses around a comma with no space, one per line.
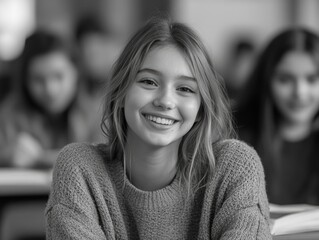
(159,120)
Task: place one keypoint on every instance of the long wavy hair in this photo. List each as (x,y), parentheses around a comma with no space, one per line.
(196,156)
(264,121)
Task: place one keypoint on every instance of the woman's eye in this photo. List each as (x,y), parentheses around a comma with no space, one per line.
(148,82)
(37,79)
(284,79)
(186,89)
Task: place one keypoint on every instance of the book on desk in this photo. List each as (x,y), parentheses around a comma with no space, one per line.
(24,181)
(299,221)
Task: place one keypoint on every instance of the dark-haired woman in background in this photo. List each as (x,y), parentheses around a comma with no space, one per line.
(280,116)
(48,109)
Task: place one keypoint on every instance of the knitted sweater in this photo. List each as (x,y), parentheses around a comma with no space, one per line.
(92,199)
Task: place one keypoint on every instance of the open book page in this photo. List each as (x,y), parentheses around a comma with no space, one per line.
(294,219)
(298,236)
(277,211)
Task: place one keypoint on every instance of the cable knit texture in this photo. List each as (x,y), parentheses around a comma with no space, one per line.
(92,199)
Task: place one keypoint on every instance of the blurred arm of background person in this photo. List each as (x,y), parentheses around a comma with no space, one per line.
(22,150)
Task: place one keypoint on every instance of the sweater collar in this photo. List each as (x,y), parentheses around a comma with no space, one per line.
(169,195)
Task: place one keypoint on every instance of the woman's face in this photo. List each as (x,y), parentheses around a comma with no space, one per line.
(162,104)
(295,87)
(52,81)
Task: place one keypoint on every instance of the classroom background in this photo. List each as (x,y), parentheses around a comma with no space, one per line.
(234,31)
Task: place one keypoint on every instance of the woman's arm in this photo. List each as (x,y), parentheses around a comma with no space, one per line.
(72,210)
(244,211)
(64,222)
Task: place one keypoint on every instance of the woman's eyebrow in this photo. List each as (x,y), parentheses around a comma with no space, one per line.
(187,78)
(153,71)
(149,70)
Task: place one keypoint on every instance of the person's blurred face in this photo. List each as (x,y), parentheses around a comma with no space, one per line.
(52,81)
(295,87)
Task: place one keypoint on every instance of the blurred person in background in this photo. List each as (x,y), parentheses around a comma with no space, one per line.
(280,116)
(98,49)
(241,60)
(5,79)
(48,106)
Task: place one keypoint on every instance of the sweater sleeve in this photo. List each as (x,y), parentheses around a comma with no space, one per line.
(243,212)
(71,212)
(65,223)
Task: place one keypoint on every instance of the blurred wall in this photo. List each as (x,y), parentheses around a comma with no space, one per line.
(217,21)
(17,19)
(121,17)
(220,21)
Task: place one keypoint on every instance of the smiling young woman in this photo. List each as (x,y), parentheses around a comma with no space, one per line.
(171,169)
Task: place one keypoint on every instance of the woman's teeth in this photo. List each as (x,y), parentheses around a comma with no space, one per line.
(159,120)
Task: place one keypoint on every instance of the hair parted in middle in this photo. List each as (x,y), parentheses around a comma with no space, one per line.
(196,156)
(260,102)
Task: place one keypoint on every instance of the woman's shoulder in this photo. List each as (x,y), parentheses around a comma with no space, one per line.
(238,155)
(79,173)
(232,146)
(81,155)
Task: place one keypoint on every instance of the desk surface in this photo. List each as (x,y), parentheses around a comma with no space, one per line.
(14,182)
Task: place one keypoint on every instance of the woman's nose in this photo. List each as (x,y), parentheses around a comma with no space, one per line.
(165,100)
(51,87)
